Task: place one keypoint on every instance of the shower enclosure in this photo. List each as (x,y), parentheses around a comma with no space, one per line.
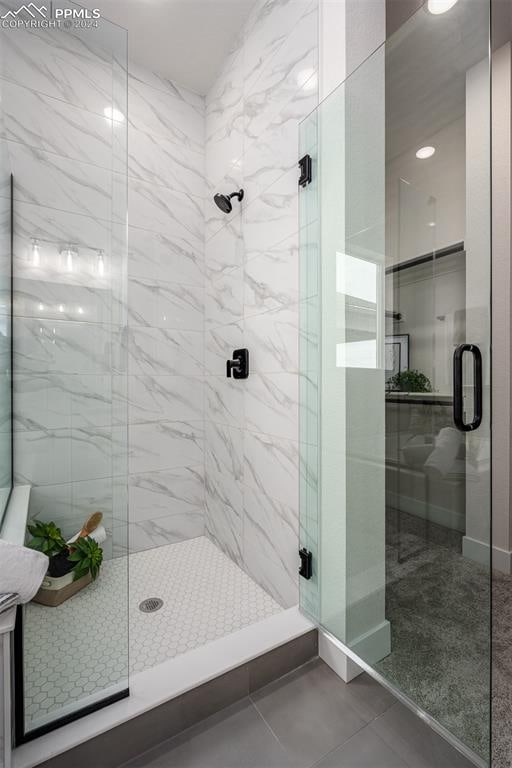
(64,126)
(395,363)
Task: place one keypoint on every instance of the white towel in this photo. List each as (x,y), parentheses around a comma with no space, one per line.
(447,447)
(22,570)
(99,535)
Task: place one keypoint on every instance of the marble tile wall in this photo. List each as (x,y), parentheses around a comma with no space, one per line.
(70,260)
(166,138)
(268,85)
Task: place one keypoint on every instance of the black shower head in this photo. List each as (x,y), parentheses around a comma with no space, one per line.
(224,201)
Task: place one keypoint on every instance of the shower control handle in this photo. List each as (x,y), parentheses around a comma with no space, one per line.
(238,367)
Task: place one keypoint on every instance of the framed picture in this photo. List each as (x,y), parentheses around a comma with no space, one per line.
(397,355)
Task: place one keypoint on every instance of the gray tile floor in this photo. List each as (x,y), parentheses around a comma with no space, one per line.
(309,718)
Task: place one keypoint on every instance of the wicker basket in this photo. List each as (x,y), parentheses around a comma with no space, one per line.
(56,590)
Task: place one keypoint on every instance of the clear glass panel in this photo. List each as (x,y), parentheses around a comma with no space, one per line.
(401,545)
(64,99)
(5,335)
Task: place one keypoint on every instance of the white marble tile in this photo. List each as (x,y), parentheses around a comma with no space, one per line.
(271,546)
(160,82)
(223,468)
(233,62)
(273,216)
(225,121)
(48,180)
(53,228)
(55,347)
(178,215)
(224,457)
(272,404)
(219,345)
(51,502)
(60,300)
(166,530)
(224,400)
(224,299)
(272,338)
(157,160)
(52,125)
(165,305)
(43,457)
(42,402)
(73,70)
(159,351)
(165,445)
(223,526)
(93,453)
(168,398)
(168,492)
(224,251)
(166,114)
(267,29)
(272,154)
(271,277)
(276,151)
(155,256)
(90,496)
(271,466)
(49,401)
(291,71)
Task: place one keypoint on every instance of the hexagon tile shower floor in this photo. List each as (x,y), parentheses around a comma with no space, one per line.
(205,596)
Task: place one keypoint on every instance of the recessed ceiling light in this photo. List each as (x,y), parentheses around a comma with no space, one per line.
(440,6)
(425,152)
(111,113)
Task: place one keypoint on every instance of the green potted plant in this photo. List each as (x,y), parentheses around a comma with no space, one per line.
(72,565)
(87,557)
(46,538)
(410,380)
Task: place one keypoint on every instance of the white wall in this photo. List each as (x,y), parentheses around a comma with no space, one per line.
(269,83)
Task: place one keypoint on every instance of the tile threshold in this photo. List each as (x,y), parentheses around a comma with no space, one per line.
(172,678)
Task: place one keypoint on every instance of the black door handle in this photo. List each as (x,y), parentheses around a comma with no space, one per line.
(458,399)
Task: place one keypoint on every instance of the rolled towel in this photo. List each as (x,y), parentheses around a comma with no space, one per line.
(99,535)
(22,570)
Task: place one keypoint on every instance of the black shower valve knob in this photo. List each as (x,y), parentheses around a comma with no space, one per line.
(238,367)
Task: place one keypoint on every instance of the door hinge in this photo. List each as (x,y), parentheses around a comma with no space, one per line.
(306,166)
(306,563)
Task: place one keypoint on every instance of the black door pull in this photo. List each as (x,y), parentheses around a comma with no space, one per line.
(458,384)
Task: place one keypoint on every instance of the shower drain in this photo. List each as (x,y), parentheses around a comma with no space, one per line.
(151,604)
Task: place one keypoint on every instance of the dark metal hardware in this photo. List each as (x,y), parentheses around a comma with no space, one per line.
(306,168)
(458,395)
(239,365)
(306,563)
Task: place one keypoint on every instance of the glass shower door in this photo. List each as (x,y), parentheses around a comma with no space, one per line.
(395,362)
(64,103)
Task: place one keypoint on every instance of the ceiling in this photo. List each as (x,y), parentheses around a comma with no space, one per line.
(184,40)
